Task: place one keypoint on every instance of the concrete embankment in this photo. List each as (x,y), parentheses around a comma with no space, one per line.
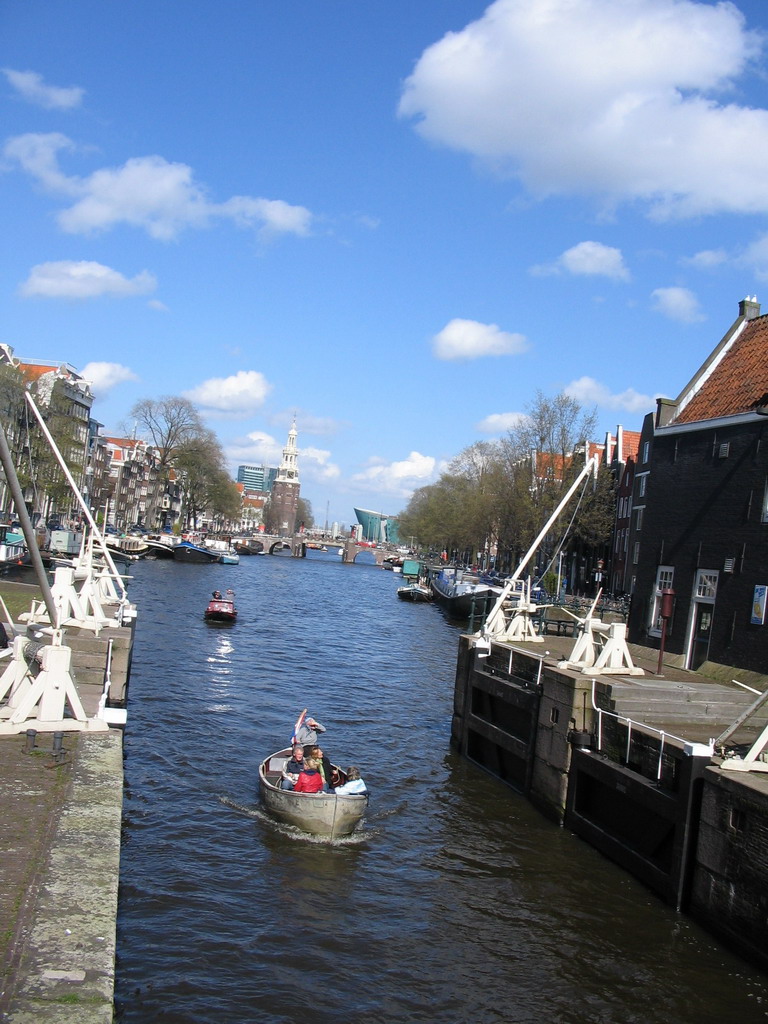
(59,869)
(624,761)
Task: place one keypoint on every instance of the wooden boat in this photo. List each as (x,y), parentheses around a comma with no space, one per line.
(187,552)
(321,814)
(221,609)
(414,592)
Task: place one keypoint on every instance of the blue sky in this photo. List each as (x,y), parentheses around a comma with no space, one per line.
(394,220)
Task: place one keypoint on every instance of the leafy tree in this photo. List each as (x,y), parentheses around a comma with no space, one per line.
(304,513)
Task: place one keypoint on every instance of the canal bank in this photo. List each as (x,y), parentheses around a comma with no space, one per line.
(59,870)
(61,784)
(624,761)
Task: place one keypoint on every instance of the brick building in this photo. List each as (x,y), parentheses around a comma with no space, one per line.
(700,506)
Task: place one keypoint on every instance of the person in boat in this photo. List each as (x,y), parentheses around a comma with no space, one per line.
(293,768)
(329,773)
(216,595)
(354,783)
(306,732)
(310,780)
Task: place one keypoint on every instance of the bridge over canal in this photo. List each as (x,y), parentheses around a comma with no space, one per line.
(299,544)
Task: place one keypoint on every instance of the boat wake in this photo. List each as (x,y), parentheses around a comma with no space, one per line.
(291,832)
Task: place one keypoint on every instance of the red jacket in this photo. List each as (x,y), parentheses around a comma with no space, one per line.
(310,781)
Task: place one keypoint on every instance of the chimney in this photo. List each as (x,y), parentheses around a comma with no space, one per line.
(749,308)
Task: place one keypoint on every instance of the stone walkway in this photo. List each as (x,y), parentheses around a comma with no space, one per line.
(59,872)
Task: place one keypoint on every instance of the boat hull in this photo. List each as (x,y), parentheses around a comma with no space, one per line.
(320,814)
(220,611)
(459,596)
(414,592)
(185,552)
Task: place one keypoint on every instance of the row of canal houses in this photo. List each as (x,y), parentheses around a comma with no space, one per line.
(692,510)
(120,478)
(691,514)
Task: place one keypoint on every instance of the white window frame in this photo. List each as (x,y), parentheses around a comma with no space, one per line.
(665,577)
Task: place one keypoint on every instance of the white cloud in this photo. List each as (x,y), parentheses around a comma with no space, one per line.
(273,216)
(589,391)
(588,258)
(707,259)
(31,86)
(105,376)
(83,279)
(148,192)
(238,395)
(315,465)
(38,155)
(501,422)
(677,304)
(755,257)
(599,98)
(468,339)
(261,449)
(256,448)
(398,479)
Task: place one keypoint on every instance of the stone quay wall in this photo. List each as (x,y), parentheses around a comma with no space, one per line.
(695,834)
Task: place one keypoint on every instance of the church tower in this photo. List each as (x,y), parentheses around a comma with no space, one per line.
(286,488)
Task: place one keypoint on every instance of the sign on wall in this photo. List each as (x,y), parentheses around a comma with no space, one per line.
(758,605)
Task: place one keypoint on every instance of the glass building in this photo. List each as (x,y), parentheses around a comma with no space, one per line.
(256,478)
(378,527)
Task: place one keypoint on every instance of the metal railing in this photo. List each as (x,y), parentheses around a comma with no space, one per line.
(644,730)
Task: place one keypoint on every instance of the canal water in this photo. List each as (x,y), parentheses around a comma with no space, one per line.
(457,902)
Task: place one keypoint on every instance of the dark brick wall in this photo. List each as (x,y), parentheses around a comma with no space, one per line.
(703,508)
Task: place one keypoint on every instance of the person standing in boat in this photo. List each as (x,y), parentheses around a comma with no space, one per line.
(306,730)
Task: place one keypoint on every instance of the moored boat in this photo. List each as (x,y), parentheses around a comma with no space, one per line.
(131,548)
(461,592)
(221,609)
(321,814)
(185,551)
(226,553)
(414,592)
(160,545)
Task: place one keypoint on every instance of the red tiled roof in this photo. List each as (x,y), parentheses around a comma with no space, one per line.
(738,382)
(32,372)
(630,444)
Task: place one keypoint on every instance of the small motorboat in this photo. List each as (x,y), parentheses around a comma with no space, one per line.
(320,814)
(414,592)
(221,609)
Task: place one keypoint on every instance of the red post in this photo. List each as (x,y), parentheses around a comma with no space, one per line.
(667,607)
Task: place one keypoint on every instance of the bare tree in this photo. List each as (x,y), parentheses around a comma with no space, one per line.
(170,423)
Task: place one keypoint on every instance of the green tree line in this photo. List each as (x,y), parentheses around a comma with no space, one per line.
(496,496)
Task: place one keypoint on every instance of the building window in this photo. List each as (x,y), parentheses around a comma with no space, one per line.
(641,486)
(639,519)
(636,553)
(665,574)
(706,585)
(764,516)
(646,450)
